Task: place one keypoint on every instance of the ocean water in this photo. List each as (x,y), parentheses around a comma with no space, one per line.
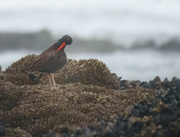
(120,21)
(130,65)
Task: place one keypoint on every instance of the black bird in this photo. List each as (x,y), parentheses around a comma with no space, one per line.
(52,59)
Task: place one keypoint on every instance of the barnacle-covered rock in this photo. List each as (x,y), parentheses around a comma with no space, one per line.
(88,72)
(74,105)
(155,116)
(10,95)
(18,72)
(88,94)
(2,129)
(16,132)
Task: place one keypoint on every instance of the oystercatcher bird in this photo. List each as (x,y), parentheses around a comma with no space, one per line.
(52,59)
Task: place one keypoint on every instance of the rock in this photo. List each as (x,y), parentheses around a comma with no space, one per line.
(17,132)
(2,129)
(89,72)
(10,95)
(38,108)
(18,72)
(1,74)
(89,100)
(126,84)
(156,116)
(155,83)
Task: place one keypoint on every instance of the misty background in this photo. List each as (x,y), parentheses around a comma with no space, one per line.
(137,40)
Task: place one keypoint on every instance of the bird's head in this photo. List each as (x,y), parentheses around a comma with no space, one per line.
(65,40)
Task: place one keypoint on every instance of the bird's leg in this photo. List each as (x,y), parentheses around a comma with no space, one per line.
(52,75)
(49,78)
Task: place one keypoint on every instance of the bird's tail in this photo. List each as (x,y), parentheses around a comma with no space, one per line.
(35,78)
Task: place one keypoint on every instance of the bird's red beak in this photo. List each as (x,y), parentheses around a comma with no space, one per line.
(63,44)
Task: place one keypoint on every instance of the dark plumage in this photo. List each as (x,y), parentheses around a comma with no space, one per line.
(52,59)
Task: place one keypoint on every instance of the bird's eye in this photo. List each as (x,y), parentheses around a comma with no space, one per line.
(67,39)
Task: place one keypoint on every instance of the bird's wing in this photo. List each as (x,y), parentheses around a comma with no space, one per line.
(45,62)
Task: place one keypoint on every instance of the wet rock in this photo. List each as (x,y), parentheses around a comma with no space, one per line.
(2,129)
(1,74)
(126,84)
(155,83)
(166,84)
(141,109)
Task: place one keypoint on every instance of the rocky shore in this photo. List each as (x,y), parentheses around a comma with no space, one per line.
(88,101)
(40,40)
